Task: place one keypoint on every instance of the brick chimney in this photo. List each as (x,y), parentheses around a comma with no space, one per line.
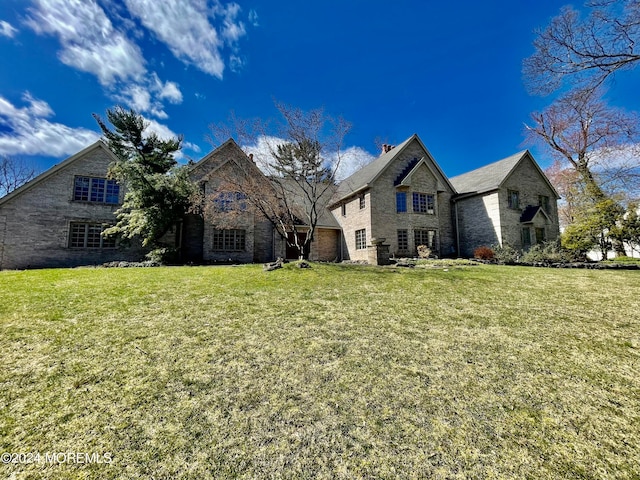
(387,148)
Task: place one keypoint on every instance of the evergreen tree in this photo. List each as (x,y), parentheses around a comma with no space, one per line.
(158,190)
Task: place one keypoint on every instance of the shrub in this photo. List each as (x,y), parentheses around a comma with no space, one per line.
(506,254)
(550,252)
(424,251)
(483,253)
(163,256)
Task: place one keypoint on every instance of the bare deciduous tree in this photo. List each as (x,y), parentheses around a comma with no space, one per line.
(299,159)
(586,50)
(589,136)
(566,182)
(583,131)
(13,174)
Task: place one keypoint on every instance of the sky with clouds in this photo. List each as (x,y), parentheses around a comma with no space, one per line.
(448,71)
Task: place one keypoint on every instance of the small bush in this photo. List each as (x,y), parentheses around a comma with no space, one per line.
(550,252)
(506,254)
(424,251)
(483,253)
(163,256)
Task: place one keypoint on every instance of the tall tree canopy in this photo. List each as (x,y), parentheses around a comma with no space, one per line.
(158,191)
(585,51)
(599,143)
(583,131)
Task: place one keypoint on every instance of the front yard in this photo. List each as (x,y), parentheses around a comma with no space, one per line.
(333,372)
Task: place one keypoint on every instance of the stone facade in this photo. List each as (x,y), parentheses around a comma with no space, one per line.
(410,170)
(38,217)
(401,200)
(253,237)
(493,218)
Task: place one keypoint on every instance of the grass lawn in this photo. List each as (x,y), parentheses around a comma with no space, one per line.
(334,372)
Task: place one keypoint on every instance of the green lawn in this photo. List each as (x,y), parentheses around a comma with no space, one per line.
(334,372)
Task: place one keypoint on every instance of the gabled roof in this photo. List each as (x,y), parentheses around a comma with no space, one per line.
(530,213)
(491,177)
(212,155)
(414,165)
(487,178)
(368,174)
(56,168)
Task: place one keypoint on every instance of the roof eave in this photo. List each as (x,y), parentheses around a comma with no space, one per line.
(337,202)
(56,168)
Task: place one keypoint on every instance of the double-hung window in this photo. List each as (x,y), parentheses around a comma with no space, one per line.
(543,201)
(425,237)
(403,240)
(361,239)
(514,199)
(230,201)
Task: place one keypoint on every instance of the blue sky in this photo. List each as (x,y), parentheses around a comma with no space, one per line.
(448,71)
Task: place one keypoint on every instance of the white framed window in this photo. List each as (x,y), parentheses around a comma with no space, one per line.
(363,201)
(89,235)
(361,239)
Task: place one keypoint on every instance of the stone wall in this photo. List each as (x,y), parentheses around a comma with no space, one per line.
(355,218)
(38,218)
(386,221)
(478,222)
(527,181)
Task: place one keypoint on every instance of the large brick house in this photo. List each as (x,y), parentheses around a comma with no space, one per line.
(402,200)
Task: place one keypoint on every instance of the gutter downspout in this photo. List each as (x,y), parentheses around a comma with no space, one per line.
(455,209)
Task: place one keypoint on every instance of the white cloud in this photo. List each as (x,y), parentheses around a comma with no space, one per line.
(26,131)
(262,150)
(253,18)
(236,63)
(351,158)
(89,41)
(170,91)
(183,25)
(147,97)
(232,29)
(7,30)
